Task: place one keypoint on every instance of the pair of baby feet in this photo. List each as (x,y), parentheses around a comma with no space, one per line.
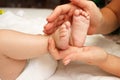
(74,33)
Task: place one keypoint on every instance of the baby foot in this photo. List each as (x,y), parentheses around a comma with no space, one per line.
(61,36)
(80,25)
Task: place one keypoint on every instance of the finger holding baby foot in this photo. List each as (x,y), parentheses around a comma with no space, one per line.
(67,59)
(70,57)
(48,27)
(52,49)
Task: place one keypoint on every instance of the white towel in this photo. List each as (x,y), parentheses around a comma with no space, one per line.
(40,68)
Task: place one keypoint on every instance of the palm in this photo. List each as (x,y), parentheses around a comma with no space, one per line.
(91,55)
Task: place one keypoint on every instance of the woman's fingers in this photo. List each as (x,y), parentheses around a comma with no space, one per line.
(52,49)
(50,27)
(60,10)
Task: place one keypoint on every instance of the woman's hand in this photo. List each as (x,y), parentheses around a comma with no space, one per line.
(65,12)
(60,14)
(90,55)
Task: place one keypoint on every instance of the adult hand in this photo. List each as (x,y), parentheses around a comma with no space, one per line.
(88,54)
(53,50)
(65,12)
(91,55)
(57,54)
(60,14)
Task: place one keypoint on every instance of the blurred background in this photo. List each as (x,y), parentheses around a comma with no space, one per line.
(40,3)
(31,3)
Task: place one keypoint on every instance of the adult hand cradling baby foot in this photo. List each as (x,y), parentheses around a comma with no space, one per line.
(100,22)
(90,55)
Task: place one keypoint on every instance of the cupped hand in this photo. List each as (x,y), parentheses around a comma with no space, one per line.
(60,14)
(88,54)
(65,12)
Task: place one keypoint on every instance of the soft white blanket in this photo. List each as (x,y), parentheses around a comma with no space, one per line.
(75,70)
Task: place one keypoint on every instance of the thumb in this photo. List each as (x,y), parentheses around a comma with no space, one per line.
(52,49)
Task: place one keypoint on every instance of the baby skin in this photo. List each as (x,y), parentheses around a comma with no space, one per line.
(78,31)
(80,25)
(62,35)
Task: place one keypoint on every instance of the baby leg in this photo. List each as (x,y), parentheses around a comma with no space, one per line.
(61,36)
(80,25)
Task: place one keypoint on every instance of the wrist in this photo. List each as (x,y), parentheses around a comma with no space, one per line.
(104,61)
(101,23)
(107,20)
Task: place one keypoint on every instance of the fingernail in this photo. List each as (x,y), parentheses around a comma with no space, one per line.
(67,62)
